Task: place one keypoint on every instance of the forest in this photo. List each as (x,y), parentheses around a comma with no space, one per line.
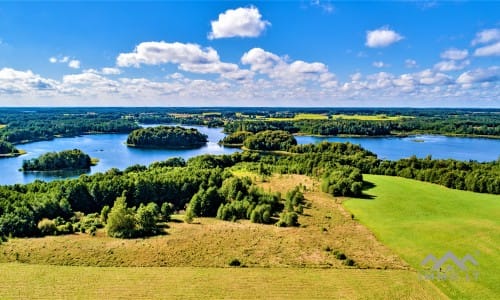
(167,137)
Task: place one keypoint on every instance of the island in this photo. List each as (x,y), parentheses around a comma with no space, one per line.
(58,161)
(166,137)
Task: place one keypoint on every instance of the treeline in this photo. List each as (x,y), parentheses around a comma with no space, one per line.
(488,125)
(166,137)
(470,176)
(53,161)
(22,127)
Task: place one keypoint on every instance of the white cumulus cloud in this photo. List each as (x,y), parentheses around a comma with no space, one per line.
(455,54)
(240,22)
(155,53)
(74,64)
(111,71)
(451,65)
(491,50)
(486,36)
(382,37)
(480,75)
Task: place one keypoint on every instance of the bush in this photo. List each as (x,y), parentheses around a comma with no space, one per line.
(235,262)
(288,219)
(47,227)
(340,256)
(349,262)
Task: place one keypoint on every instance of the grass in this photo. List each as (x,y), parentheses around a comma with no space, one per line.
(302,116)
(369,117)
(416,219)
(324,223)
(21,281)
(193,259)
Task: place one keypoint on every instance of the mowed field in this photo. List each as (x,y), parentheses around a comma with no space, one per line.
(191,260)
(22,281)
(416,219)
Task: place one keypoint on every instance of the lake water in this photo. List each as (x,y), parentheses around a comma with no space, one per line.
(112,152)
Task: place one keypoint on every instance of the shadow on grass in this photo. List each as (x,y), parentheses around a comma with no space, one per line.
(366,187)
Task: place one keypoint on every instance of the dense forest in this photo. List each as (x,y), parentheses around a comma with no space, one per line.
(168,137)
(54,161)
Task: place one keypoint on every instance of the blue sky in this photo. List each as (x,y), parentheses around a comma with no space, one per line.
(261,53)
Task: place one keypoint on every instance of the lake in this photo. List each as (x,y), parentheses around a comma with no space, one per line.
(112,152)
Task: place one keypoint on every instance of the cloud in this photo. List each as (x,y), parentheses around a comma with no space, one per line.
(111,71)
(451,65)
(23,82)
(491,50)
(279,68)
(486,36)
(156,53)
(410,63)
(326,6)
(379,64)
(260,60)
(480,75)
(455,54)
(382,37)
(240,22)
(74,64)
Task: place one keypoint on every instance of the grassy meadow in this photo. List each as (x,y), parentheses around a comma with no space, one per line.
(192,260)
(416,219)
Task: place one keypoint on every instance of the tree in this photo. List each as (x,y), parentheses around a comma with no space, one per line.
(147,216)
(121,220)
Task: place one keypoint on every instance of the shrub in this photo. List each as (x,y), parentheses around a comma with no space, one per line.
(235,262)
(340,256)
(349,262)
(47,227)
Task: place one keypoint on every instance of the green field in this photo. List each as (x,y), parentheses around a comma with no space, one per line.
(298,117)
(416,219)
(368,117)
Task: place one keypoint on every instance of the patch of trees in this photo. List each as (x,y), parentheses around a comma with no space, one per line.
(270,140)
(168,137)
(236,139)
(53,161)
(7,148)
(343,181)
